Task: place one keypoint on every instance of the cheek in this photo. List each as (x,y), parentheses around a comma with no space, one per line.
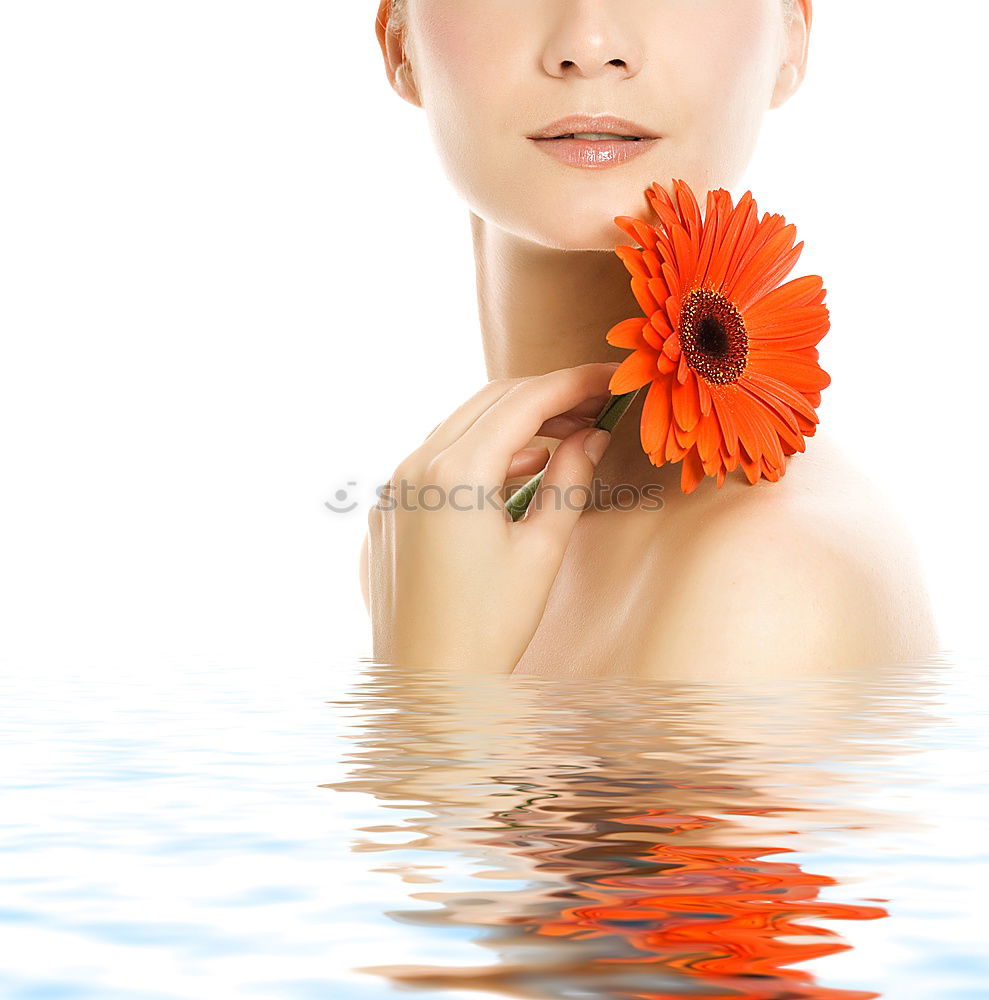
(726,67)
(469,87)
(454,39)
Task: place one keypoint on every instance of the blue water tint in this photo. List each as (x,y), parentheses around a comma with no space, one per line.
(265,895)
(365,835)
(19,916)
(13,989)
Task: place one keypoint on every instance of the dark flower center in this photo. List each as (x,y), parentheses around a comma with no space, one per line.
(712,336)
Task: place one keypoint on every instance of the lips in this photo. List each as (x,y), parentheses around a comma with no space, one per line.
(618,128)
(594,142)
(596,137)
(594,154)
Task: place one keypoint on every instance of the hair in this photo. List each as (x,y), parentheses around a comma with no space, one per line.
(397,12)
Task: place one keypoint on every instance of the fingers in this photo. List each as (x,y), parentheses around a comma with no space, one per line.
(577,418)
(590,407)
(486,447)
(565,489)
(527,462)
(573,420)
(449,430)
(563,426)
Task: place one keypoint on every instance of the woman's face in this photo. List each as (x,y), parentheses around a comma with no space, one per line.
(699,74)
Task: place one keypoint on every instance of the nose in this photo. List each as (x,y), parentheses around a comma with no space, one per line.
(591,39)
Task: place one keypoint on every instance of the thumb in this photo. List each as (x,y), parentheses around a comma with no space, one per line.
(565,489)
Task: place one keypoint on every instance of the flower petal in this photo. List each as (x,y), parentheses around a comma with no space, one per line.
(657,411)
(772,472)
(703,396)
(712,466)
(758,393)
(748,431)
(672,305)
(657,458)
(751,468)
(659,290)
(800,373)
(674,451)
(767,385)
(691,472)
(633,261)
(749,285)
(662,205)
(645,233)
(672,279)
(731,461)
(686,439)
(633,373)
(690,212)
(640,289)
(741,222)
(785,322)
(778,270)
(708,437)
(803,326)
(794,294)
(628,334)
(651,262)
(765,229)
(661,325)
(686,256)
(686,405)
(715,220)
(724,409)
(631,227)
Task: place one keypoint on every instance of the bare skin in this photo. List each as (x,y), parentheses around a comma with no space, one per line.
(809,574)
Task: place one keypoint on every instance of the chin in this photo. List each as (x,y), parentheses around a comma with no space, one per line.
(576,232)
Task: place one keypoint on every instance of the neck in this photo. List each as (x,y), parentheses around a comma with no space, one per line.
(543,309)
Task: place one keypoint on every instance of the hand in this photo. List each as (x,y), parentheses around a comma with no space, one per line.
(453,582)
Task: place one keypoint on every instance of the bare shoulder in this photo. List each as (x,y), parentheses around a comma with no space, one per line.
(817,576)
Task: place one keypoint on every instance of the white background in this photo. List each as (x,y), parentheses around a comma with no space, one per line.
(234,280)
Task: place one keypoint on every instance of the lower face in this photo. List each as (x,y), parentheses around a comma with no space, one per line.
(699,74)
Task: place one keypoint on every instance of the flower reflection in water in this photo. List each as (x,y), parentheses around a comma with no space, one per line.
(717,913)
(644,828)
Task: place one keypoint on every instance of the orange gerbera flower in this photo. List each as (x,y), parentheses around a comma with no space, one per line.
(730,353)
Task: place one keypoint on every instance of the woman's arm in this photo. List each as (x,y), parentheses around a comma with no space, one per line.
(363,573)
(452,581)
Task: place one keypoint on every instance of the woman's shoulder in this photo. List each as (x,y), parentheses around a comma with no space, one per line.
(815,572)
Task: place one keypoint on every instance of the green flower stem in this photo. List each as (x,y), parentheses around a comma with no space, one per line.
(615,408)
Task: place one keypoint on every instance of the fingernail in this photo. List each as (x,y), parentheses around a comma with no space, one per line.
(595,444)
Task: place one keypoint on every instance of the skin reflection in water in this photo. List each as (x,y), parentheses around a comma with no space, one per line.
(650,821)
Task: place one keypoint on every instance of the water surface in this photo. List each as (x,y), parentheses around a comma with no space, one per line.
(369,834)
